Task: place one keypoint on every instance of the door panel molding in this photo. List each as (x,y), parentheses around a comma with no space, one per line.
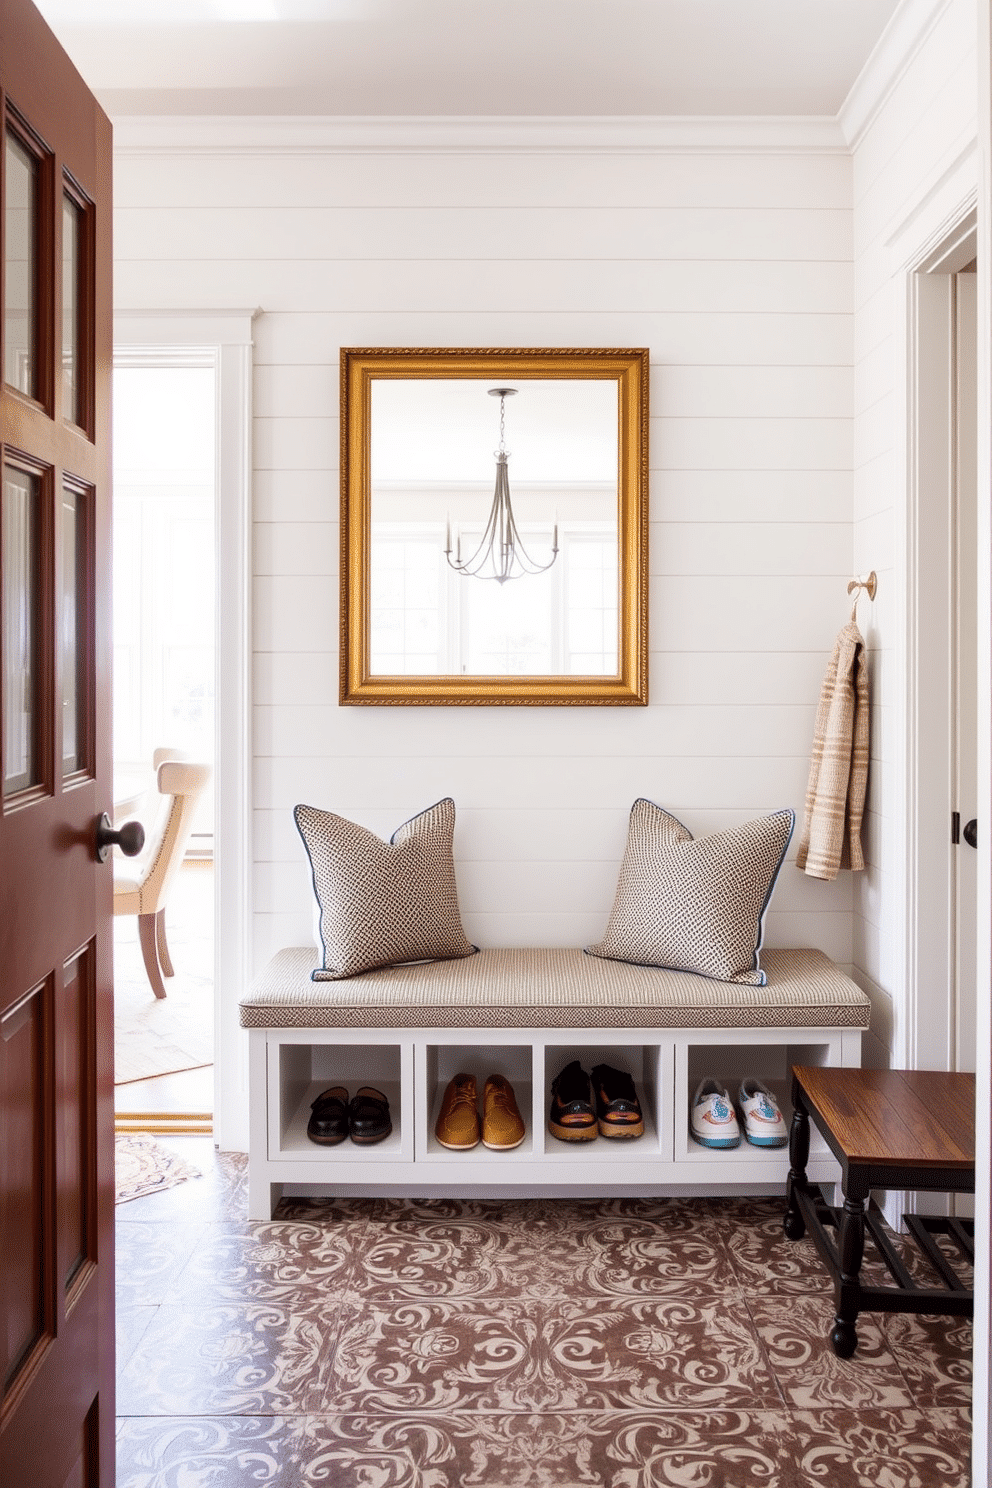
(29,1211)
(76,1067)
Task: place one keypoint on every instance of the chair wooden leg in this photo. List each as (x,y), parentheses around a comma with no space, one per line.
(164,959)
(148,936)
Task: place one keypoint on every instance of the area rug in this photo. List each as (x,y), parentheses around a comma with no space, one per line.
(143,1166)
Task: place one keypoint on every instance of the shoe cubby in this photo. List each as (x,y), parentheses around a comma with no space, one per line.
(729,1063)
(290,1067)
(300,1071)
(440,1062)
(647,1064)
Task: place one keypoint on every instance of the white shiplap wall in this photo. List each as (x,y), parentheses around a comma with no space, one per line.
(733,263)
(911,155)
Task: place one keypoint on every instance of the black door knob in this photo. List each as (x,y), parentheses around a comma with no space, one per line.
(130,838)
(970,833)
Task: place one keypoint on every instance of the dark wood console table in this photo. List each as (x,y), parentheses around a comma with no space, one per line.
(901,1129)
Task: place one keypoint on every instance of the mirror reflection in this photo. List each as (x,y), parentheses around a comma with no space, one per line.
(493,542)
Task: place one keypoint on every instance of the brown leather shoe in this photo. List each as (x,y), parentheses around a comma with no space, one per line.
(502,1124)
(457,1123)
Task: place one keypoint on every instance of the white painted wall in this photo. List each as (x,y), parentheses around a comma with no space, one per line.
(912,125)
(732,262)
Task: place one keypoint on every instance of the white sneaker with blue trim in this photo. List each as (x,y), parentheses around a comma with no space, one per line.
(764,1125)
(712,1118)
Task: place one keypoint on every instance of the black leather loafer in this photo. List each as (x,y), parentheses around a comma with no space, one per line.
(328,1124)
(368,1117)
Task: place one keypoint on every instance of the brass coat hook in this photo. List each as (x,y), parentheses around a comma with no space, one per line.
(870,587)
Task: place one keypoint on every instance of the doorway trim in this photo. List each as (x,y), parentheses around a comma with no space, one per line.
(928,1034)
(936,239)
(224,338)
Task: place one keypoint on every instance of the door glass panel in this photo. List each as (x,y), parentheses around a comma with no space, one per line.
(21,605)
(72,303)
(20,250)
(75,610)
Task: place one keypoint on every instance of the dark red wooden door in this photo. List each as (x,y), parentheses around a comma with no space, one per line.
(56,994)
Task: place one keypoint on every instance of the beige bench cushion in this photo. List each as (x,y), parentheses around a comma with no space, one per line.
(553,989)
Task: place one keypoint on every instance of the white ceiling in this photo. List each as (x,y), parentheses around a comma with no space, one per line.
(470,57)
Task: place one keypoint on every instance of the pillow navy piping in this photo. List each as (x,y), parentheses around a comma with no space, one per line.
(302,806)
(771,890)
(417,814)
(684,970)
(321,974)
(756,966)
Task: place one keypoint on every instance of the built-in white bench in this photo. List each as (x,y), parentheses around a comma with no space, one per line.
(525,1014)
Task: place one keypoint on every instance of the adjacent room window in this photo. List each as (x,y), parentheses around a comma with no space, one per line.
(427,620)
(164,498)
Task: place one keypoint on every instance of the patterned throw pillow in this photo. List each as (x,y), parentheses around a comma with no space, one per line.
(695,905)
(383,903)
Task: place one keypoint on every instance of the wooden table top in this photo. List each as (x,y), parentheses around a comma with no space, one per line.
(909,1118)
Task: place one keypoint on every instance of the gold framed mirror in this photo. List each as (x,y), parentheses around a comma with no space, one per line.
(494,526)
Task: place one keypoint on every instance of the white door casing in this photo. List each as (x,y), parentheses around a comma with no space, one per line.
(964,715)
(935,243)
(223,338)
(937,238)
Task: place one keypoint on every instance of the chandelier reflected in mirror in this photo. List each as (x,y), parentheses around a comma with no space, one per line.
(501,554)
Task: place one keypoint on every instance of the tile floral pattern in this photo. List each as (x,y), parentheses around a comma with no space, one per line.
(795,1334)
(271,1262)
(250,1358)
(518,1355)
(540,1253)
(616,1343)
(897,1449)
(934,1354)
(549,1451)
(223,1451)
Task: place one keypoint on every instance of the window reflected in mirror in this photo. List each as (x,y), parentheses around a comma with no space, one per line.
(434,450)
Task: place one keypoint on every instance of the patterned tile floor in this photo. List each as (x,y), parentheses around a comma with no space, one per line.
(627,1343)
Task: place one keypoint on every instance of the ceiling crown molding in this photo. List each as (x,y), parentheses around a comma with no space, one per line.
(895,50)
(294,135)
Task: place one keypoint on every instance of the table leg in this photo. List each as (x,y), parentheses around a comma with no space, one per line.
(851,1249)
(793,1224)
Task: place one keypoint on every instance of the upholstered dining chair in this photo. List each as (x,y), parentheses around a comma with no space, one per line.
(142,886)
(143,803)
